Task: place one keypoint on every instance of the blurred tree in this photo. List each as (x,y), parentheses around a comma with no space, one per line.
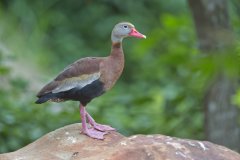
(215,36)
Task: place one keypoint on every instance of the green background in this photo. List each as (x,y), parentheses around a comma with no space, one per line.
(160,91)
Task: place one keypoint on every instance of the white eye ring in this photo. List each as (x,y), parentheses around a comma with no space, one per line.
(125,26)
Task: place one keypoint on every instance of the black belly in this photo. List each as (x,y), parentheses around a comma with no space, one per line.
(84,95)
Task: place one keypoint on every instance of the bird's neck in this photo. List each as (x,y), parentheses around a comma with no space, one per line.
(116,57)
(117,50)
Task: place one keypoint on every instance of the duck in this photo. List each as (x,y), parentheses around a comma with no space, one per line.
(90,77)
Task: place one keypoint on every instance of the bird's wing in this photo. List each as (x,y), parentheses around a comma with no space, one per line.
(78,74)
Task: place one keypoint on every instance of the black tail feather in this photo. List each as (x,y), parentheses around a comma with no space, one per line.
(45,98)
(41,100)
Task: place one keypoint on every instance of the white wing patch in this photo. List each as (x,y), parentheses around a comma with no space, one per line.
(78,82)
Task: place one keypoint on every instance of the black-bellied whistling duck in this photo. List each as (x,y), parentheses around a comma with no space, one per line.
(90,77)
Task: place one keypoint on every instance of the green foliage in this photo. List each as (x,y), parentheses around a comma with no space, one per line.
(164,80)
(21,121)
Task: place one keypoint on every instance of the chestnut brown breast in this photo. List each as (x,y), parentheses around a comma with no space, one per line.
(111,68)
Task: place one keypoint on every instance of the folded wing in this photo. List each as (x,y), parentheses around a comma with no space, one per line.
(77,77)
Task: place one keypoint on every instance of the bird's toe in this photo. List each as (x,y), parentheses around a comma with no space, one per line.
(93,133)
(103,128)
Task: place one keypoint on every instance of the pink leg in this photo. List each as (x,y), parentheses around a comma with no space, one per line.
(91,132)
(98,126)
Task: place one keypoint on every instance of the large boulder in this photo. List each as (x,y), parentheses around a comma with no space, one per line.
(68,144)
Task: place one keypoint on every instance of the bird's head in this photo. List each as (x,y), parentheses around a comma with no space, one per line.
(125,29)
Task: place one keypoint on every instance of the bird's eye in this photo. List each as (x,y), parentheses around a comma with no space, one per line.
(125,26)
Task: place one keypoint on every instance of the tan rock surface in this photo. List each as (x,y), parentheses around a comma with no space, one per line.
(68,144)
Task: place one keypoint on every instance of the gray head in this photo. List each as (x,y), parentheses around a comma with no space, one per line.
(124,29)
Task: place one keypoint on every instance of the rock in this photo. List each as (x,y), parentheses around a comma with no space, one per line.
(68,144)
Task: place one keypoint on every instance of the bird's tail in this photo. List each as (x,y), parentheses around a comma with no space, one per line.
(44,98)
(41,100)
